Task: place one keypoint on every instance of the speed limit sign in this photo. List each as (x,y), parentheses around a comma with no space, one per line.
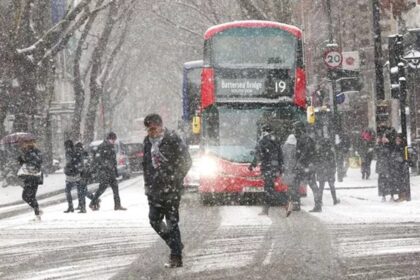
(333,58)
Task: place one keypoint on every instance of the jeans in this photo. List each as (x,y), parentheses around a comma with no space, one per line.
(67,190)
(163,207)
(269,192)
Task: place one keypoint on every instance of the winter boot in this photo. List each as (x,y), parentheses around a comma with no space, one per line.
(317,208)
(264,211)
(70,209)
(174,261)
(116,208)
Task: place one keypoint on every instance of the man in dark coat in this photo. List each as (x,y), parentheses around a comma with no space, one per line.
(107,172)
(72,170)
(305,166)
(268,152)
(166,162)
(325,168)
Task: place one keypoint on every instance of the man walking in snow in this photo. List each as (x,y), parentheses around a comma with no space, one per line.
(107,172)
(268,152)
(166,162)
(305,165)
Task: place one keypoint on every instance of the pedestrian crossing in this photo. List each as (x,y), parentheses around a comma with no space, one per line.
(378,251)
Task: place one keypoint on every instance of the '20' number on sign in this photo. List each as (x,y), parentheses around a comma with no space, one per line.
(280,86)
(333,59)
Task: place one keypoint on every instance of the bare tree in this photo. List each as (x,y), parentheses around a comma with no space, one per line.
(266,10)
(103,57)
(29,43)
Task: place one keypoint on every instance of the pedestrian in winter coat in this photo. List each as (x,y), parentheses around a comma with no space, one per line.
(106,160)
(366,150)
(305,166)
(383,151)
(82,191)
(166,161)
(268,152)
(325,168)
(342,148)
(399,169)
(72,170)
(31,164)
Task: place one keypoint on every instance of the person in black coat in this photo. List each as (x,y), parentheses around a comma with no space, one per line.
(106,160)
(325,168)
(400,169)
(82,191)
(166,162)
(383,152)
(31,161)
(342,148)
(305,166)
(268,152)
(72,171)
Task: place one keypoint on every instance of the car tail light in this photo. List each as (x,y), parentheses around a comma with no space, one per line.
(300,88)
(207,87)
(139,154)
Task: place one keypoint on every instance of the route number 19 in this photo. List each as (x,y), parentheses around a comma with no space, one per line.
(280,86)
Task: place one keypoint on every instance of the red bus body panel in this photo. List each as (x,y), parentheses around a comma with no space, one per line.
(252,24)
(235,177)
(300,88)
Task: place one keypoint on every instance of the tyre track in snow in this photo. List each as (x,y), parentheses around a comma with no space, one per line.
(95,245)
(378,251)
(234,242)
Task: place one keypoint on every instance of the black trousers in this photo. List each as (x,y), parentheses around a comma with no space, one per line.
(269,192)
(29,196)
(306,178)
(104,182)
(331,182)
(366,162)
(166,206)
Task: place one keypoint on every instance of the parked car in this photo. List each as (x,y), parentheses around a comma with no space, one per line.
(123,164)
(135,156)
(192,179)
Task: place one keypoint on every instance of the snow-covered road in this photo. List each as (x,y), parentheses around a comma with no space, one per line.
(361,238)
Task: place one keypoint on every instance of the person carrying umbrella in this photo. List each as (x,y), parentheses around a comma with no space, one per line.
(30,172)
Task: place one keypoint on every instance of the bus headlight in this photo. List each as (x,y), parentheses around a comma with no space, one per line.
(208,167)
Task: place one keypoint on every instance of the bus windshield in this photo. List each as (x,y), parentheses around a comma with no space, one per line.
(236,130)
(256,47)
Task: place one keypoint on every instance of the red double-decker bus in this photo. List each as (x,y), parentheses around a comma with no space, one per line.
(252,75)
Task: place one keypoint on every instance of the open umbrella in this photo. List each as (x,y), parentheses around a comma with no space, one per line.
(17,137)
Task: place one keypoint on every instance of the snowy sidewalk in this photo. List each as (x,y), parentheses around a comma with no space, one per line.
(360,202)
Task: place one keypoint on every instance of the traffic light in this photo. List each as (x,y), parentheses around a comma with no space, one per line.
(395,48)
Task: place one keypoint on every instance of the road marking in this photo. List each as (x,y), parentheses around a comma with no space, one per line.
(267,259)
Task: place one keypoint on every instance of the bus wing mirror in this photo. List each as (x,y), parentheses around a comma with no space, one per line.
(196,125)
(310,113)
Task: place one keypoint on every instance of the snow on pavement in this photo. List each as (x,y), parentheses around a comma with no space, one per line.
(360,202)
